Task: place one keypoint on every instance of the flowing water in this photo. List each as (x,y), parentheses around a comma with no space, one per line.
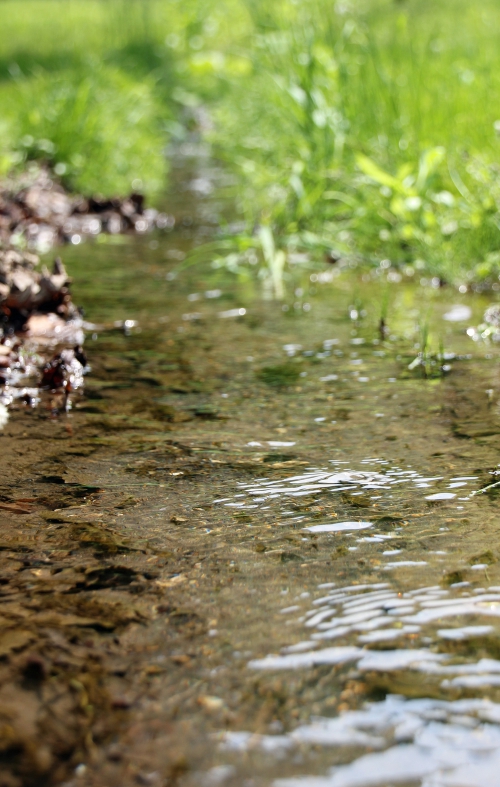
(326,501)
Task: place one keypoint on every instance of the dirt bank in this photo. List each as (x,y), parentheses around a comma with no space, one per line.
(38,212)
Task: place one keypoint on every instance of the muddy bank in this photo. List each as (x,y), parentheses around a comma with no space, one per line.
(38,212)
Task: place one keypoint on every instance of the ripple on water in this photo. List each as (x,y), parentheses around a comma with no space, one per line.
(372,613)
(320,481)
(435,743)
(336,527)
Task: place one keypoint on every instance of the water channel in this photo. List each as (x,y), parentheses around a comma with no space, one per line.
(313,508)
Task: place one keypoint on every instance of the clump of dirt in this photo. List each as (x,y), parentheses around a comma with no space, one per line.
(24,289)
(41,332)
(36,209)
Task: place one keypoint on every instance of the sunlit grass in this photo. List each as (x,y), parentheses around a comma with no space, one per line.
(97,87)
(99,130)
(366,127)
(371,128)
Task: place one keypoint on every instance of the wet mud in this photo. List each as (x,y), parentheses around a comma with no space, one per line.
(260,549)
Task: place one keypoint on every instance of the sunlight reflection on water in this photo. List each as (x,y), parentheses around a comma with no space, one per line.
(435,743)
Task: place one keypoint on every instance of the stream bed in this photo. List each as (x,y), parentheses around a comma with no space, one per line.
(256,551)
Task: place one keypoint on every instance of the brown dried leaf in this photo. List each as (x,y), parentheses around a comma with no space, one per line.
(14,639)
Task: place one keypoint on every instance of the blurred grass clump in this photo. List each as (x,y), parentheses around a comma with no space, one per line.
(98,129)
(370,128)
(97,88)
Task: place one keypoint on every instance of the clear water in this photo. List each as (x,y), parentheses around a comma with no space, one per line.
(355,601)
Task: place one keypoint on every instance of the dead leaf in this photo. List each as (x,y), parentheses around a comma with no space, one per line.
(15,509)
(14,639)
(50,618)
(167,583)
(210,703)
(181,659)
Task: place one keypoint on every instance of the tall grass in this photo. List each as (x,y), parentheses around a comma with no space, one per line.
(371,128)
(98,87)
(367,127)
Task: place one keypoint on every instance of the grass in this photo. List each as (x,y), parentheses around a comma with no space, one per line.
(98,88)
(100,130)
(366,128)
(371,130)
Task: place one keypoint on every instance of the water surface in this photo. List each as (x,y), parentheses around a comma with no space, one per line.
(324,498)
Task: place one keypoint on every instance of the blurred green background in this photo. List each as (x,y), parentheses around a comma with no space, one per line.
(368,127)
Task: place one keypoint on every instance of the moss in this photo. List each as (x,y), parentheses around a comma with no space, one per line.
(279,376)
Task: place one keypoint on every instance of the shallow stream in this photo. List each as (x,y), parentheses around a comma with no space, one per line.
(325,501)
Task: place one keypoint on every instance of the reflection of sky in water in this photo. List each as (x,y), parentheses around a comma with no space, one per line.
(427,742)
(432,743)
(341,479)
(376,613)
